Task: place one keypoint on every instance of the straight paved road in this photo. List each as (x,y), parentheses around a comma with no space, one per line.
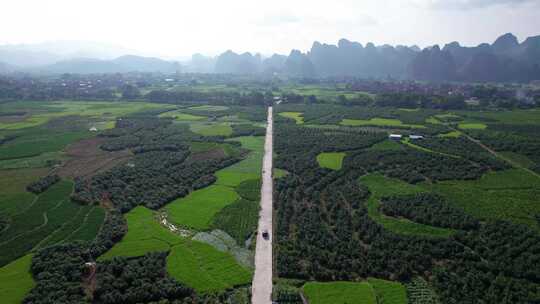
(262,280)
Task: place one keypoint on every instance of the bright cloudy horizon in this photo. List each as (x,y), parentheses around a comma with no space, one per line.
(180,28)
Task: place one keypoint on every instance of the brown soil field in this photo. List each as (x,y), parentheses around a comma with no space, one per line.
(212,154)
(87,159)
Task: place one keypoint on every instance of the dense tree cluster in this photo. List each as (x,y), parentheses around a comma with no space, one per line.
(429,209)
(160,171)
(139,280)
(302,145)
(464,148)
(212,97)
(58,271)
(503,269)
(43,183)
(335,113)
(416,100)
(248,130)
(521,139)
(325,233)
(415,166)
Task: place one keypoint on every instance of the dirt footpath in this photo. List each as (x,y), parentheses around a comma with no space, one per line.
(262,280)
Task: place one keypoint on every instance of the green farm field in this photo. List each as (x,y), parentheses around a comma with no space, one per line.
(50,219)
(247,169)
(339,293)
(16,280)
(381,186)
(211,129)
(371,291)
(472,126)
(379,122)
(14,198)
(506,195)
(41,112)
(196,210)
(331,160)
(296,116)
(180,116)
(205,269)
(145,234)
(195,264)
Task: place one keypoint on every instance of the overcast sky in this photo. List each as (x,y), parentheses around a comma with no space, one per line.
(183,27)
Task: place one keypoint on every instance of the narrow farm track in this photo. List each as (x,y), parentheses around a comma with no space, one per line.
(262,279)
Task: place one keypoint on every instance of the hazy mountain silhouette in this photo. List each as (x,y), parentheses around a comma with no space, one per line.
(504,60)
(123,64)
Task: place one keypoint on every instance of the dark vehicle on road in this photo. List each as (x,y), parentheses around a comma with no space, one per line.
(266,235)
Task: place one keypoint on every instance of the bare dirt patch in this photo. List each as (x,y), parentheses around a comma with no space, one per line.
(86,159)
